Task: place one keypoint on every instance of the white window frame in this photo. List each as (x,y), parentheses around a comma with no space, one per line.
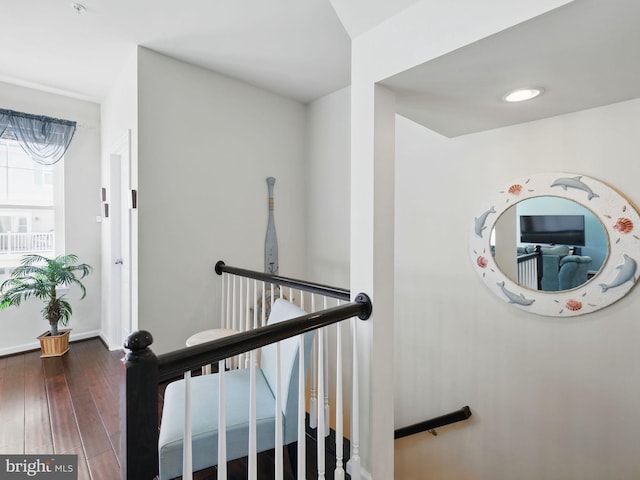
(11,261)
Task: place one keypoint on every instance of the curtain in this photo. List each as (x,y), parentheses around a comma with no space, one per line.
(4,121)
(45,139)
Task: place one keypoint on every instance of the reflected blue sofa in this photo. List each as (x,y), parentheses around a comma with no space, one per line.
(560,269)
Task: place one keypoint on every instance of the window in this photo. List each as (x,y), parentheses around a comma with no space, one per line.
(30,196)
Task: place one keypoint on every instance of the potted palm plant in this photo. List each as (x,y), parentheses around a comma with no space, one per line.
(40,277)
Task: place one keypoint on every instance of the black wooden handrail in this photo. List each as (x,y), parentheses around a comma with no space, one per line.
(178,361)
(333,292)
(433,423)
(143,370)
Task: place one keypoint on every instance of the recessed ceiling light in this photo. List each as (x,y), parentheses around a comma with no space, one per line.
(522,94)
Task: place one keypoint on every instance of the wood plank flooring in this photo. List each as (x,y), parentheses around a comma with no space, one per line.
(64,405)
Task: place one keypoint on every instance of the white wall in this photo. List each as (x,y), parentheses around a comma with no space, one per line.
(21,326)
(119,116)
(328,194)
(205,147)
(550,398)
(425,30)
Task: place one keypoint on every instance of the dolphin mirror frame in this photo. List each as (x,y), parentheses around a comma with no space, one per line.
(619,218)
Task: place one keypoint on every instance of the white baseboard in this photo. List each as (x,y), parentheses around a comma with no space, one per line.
(84,335)
(363,473)
(27,347)
(105,340)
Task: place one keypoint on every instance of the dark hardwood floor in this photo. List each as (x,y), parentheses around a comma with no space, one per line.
(64,405)
(70,405)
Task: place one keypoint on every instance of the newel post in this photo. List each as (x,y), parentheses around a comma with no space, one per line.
(139,409)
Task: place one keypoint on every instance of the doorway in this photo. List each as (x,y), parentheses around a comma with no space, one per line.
(118,213)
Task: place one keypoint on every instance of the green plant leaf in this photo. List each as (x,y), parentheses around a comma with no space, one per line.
(38,277)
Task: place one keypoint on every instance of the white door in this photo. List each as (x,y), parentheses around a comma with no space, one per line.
(120,206)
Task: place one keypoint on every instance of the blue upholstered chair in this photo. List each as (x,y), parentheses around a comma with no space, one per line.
(204,395)
(574,271)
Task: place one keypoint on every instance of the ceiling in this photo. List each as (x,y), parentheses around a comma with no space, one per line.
(584,54)
(296,48)
(359,16)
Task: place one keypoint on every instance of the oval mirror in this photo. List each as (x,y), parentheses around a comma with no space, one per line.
(557,244)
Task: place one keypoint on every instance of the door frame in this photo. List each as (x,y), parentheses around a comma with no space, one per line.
(120,210)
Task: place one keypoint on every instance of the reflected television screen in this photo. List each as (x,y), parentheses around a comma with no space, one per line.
(552,229)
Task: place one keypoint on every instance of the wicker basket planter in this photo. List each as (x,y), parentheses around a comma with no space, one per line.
(54,346)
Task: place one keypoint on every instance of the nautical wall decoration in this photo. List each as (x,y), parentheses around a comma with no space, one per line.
(271,240)
(615,278)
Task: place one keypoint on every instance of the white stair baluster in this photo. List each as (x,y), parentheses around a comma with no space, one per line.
(223,322)
(272,298)
(302,462)
(326,380)
(241,327)
(187,469)
(354,462)
(232,362)
(240,309)
(279,440)
(339,471)
(263,310)
(313,396)
(255,314)
(247,322)
(253,454)
(320,433)
(227,316)
(222,425)
(255,304)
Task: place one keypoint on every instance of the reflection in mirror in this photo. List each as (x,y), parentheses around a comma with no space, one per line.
(549,243)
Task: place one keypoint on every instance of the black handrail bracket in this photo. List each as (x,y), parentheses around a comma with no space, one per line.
(433,423)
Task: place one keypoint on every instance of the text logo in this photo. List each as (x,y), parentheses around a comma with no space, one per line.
(51,467)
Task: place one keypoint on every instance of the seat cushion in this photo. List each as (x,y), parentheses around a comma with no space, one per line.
(281,311)
(204,397)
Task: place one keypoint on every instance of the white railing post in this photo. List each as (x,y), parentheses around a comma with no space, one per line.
(302,462)
(279,470)
(227,317)
(313,395)
(339,471)
(223,319)
(187,468)
(354,462)
(320,433)
(243,358)
(234,318)
(233,361)
(253,455)
(222,425)
(327,411)
(240,309)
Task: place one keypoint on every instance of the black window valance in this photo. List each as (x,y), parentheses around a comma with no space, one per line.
(45,139)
